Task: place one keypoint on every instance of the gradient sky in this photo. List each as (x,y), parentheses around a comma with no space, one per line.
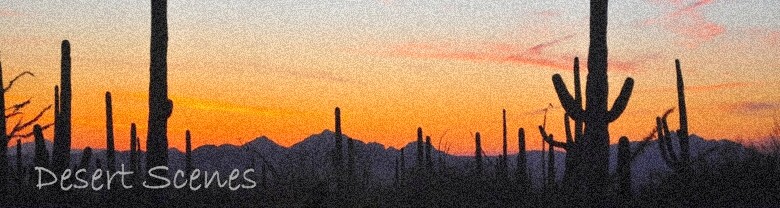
(241,69)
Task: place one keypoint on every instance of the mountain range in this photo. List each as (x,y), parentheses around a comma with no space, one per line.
(311,157)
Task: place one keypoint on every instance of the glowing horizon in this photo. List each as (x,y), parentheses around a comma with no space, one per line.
(241,70)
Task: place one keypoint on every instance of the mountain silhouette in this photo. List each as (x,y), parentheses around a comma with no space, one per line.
(311,156)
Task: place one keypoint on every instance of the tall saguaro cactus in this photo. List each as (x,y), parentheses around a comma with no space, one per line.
(420,153)
(134,152)
(428,154)
(188,152)
(478,153)
(338,150)
(521,174)
(110,159)
(682,134)
(160,107)
(19,169)
(503,166)
(596,116)
(61,149)
(3,139)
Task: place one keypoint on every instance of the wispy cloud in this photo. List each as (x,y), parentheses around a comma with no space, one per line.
(688,22)
(752,107)
(536,55)
(314,74)
(714,87)
(9,13)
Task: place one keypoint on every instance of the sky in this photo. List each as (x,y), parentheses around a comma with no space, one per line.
(238,70)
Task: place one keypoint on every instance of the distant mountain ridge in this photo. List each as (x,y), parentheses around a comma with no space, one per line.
(312,155)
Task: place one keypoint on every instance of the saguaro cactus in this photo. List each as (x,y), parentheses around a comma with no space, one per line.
(428,155)
(419,148)
(133,149)
(403,164)
(521,175)
(41,154)
(19,169)
(86,156)
(110,158)
(550,176)
(338,150)
(160,107)
(626,157)
(351,157)
(61,149)
(674,160)
(188,152)
(596,116)
(503,166)
(478,153)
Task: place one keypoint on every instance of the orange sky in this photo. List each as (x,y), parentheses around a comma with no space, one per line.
(237,72)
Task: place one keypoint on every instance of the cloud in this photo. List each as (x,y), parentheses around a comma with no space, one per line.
(315,74)
(536,55)
(688,22)
(721,86)
(773,38)
(752,107)
(9,13)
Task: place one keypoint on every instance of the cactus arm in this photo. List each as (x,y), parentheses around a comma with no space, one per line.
(622,100)
(549,139)
(567,101)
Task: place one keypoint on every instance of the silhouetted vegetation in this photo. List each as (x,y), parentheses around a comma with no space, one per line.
(722,174)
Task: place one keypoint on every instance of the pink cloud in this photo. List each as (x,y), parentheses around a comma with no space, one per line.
(688,22)
(536,55)
(773,38)
(752,107)
(9,13)
(714,87)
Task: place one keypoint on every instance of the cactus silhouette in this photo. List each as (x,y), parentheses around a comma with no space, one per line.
(521,174)
(110,158)
(133,149)
(41,154)
(676,161)
(86,156)
(402,164)
(188,152)
(626,156)
(428,155)
(550,176)
(503,166)
(478,154)
(338,151)
(61,149)
(351,157)
(3,139)
(19,169)
(160,107)
(419,148)
(596,116)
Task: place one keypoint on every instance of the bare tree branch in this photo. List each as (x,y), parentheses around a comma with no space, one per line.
(11,83)
(19,106)
(21,126)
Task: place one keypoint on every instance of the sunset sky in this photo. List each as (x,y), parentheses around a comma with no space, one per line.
(241,69)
